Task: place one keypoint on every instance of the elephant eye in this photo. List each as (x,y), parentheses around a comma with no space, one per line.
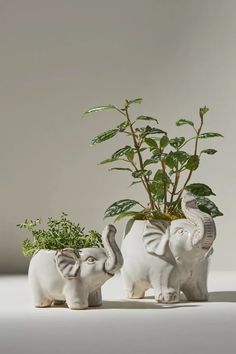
(91,260)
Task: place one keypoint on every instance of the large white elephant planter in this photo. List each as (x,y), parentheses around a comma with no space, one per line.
(74,276)
(169,256)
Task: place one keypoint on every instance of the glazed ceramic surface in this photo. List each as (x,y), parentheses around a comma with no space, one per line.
(169,256)
(74,276)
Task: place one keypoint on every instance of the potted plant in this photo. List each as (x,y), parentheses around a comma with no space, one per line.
(68,264)
(168,241)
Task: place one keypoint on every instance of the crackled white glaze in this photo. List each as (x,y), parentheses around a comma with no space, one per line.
(169,256)
(74,276)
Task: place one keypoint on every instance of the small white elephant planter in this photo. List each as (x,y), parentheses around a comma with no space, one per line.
(74,276)
(169,256)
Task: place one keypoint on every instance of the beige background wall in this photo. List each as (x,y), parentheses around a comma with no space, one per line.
(59,57)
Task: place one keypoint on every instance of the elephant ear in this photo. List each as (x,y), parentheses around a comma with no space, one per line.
(68,262)
(156,236)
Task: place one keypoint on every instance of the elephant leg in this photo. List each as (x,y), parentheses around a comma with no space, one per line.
(133,290)
(128,283)
(38,294)
(77,304)
(137,292)
(95,298)
(166,285)
(76,299)
(44,303)
(40,300)
(167,295)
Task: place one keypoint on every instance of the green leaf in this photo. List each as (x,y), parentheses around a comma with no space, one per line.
(182,156)
(127,214)
(171,160)
(209,207)
(100,108)
(151,161)
(199,189)
(157,185)
(158,175)
(161,176)
(160,156)
(121,152)
(107,161)
(151,143)
(203,111)
(141,173)
(136,100)
(164,141)
(209,151)
(59,233)
(177,142)
(150,130)
(104,136)
(120,169)
(192,163)
(210,135)
(130,155)
(147,118)
(120,207)
(183,122)
(122,126)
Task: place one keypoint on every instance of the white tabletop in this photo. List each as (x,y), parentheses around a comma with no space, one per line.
(120,325)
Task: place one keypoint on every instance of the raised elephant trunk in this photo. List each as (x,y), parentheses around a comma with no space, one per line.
(206,230)
(115,260)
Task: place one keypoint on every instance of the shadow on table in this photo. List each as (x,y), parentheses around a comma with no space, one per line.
(149,302)
(222,296)
(141,304)
(216,296)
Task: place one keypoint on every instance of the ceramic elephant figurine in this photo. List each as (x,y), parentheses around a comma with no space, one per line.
(74,276)
(169,256)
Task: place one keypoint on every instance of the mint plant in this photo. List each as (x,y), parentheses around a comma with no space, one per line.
(60,234)
(167,170)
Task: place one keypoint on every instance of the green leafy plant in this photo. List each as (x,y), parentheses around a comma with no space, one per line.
(159,162)
(59,234)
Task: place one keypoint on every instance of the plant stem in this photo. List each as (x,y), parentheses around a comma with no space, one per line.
(120,110)
(136,145)
(136,169)
(177,176)
(164,184)
(191,170)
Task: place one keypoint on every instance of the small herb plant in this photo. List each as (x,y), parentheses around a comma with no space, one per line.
(159,163)
(60,234)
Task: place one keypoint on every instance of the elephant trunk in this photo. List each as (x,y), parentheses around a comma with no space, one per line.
(205,233)
(114,257)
